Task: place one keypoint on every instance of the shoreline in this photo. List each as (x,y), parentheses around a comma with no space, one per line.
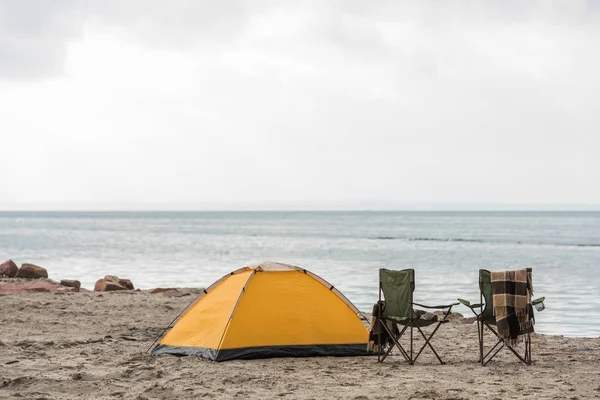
(92,345)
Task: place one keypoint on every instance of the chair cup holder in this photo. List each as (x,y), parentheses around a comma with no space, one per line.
(540,306)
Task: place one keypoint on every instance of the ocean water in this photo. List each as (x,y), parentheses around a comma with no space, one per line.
(446,249)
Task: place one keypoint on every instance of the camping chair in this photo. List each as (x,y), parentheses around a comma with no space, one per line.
(397,288)
(486,319)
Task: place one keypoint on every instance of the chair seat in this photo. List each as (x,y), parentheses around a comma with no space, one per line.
(422,318)
(427,316)
(421,322)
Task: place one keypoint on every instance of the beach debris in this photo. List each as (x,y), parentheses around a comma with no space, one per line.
(25,287)
(9,268)
(170,292)
(175,293)
(85,376)
(71,283)
(160,290)
(130,338)
(32,271)
(112,283)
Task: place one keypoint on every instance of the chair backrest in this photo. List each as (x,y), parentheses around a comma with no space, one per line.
(485,287)
(397,288)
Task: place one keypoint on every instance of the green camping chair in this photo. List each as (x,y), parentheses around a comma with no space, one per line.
(486,319)
(397,288)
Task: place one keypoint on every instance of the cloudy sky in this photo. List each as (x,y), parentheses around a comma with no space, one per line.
(195,104)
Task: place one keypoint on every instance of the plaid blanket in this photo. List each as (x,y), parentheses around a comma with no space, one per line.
(377,331)
(512,303)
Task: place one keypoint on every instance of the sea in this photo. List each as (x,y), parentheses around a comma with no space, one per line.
(446,249)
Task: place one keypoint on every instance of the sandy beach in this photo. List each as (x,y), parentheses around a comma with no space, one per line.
(92,345)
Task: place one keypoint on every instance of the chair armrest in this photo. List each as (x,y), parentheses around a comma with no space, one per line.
(467,303)
(438,307)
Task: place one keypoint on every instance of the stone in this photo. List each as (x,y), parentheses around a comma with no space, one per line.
(99,285)
(116,282)
(103,285)
(32,271)
(110,286)
(175,293)
(126,283)
(16,288)
(66,289)
(39,289)
(71,283)
(171,292)
(450,317)
(161,290)
(9,268)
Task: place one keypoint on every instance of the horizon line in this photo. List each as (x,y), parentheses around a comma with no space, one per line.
(168,210)
(294,206)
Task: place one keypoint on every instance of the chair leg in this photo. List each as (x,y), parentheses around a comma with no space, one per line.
(526,359)
(410,355)
(485,362)
(529,341)
(395,342)
(412,361)
(528,349)
(379,348)
(480,339)
(387,353)
(404,353)
(427,343)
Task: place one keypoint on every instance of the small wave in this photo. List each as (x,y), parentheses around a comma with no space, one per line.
(434,239)
(426,239)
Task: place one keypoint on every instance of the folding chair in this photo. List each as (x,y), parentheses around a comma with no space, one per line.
(486,319)
(397,288)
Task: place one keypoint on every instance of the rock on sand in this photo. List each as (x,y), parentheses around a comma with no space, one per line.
(9,268)
(32,271)
(112,283)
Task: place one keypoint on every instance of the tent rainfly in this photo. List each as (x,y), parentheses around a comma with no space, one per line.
(268,310)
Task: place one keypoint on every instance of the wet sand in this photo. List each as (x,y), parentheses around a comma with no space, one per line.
(92,346)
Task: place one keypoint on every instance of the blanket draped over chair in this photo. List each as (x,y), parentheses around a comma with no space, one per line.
(377,331)
(512,303)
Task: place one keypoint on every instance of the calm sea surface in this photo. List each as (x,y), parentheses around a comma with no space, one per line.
(346,248)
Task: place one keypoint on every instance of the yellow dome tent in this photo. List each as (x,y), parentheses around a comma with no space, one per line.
(268,310)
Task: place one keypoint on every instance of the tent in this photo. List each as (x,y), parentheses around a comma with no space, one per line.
(268,310)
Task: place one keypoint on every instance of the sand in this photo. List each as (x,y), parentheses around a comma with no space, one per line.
(92,346)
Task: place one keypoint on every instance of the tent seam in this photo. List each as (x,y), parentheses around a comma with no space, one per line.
(242,292)
(339,294)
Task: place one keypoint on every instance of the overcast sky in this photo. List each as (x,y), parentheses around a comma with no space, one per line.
(194,104)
